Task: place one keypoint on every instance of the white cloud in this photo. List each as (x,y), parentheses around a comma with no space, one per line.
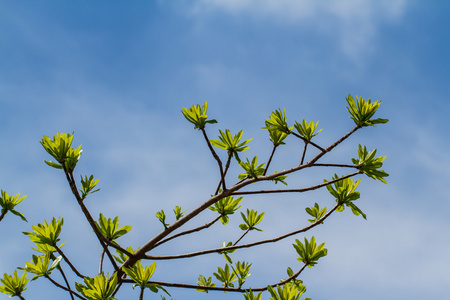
(353,22)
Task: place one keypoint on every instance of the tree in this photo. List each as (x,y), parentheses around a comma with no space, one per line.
(136,267)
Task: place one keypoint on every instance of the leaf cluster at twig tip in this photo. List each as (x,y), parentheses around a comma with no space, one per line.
(100,287)
(231,143)
(316,212)
(13,285)
(251,220)
(141,276)
(278,121)
(226,206)
(361,111)
(47,233)
(88,184)
(345,193)
(61,150)
(252,169)
(110,228)
(8,203)
(197,115)
(307,130)
(309,252)
(40,265)
(369,165)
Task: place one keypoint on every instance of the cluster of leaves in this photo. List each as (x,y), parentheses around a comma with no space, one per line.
(161,215)
(231,143)
(309,253)
(316,213)
(60,147)
(40,265)
(110,228)
(369,165)
(100,287)
(361,111)
(225,207)
(197,115)
(307,130)
(252,169)
(47,233)
(141,275)
(8,203)
(13,285)
(345,193)
(251,220)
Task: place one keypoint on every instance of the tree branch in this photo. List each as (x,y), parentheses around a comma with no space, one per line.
(270,159)
(60,252)
(219,162)
(297,190)
(188,231)
(304,153)
(227,165)
(304,229)
(306,141)
(64,288)
(211,288)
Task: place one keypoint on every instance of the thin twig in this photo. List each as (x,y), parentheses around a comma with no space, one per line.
(304,229)
(60,252)
(219,162)
(141,296)
(304,153)
(64,288)
(306,141)
(100,266)
(335,165)
(4,211)
(64,276)
(297,190)
(227,165)
(103,241)
(235,243)
(270,159)
(188,231)
(211,288)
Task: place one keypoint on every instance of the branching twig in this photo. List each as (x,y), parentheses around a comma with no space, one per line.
(100,266)
(227,165)
(304,229)
(270,159)
(219,162)
(64,288)
(306,141)
(304,153)
(235,243)
(60,252)
(4,211)
(210,288)
(314,187)
(188,231)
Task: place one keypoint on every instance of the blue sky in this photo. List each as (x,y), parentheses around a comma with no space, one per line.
(118,74)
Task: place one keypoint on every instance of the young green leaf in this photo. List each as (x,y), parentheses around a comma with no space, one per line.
(100,287)
(309,252)
(88,184)
(345,193)
(13,285)
(178,213)
(307,130)
(361,111)
(231,143)
(8,203)
(252,169)
(40,265)
(316,213)
(110,228)
(278,121)
(162,218)
(226,276)
(370,165)
(251,220)
(197,115)
(47,233)
(202,281)
(226,206)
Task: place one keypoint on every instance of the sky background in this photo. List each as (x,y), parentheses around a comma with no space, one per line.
(118,74)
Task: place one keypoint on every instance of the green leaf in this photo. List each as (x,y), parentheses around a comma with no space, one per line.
(226,206)
(8,203)
(361,111)
(110,228)
(277,121)
(231,143)
(88,185)
(251,220)
(309,253)
(47,233)
(100,287)
(252,169)
(307,130)
(369,165)
(197,115)
(13,285)
(202,281)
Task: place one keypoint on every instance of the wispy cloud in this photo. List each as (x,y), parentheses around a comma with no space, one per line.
(354,23)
